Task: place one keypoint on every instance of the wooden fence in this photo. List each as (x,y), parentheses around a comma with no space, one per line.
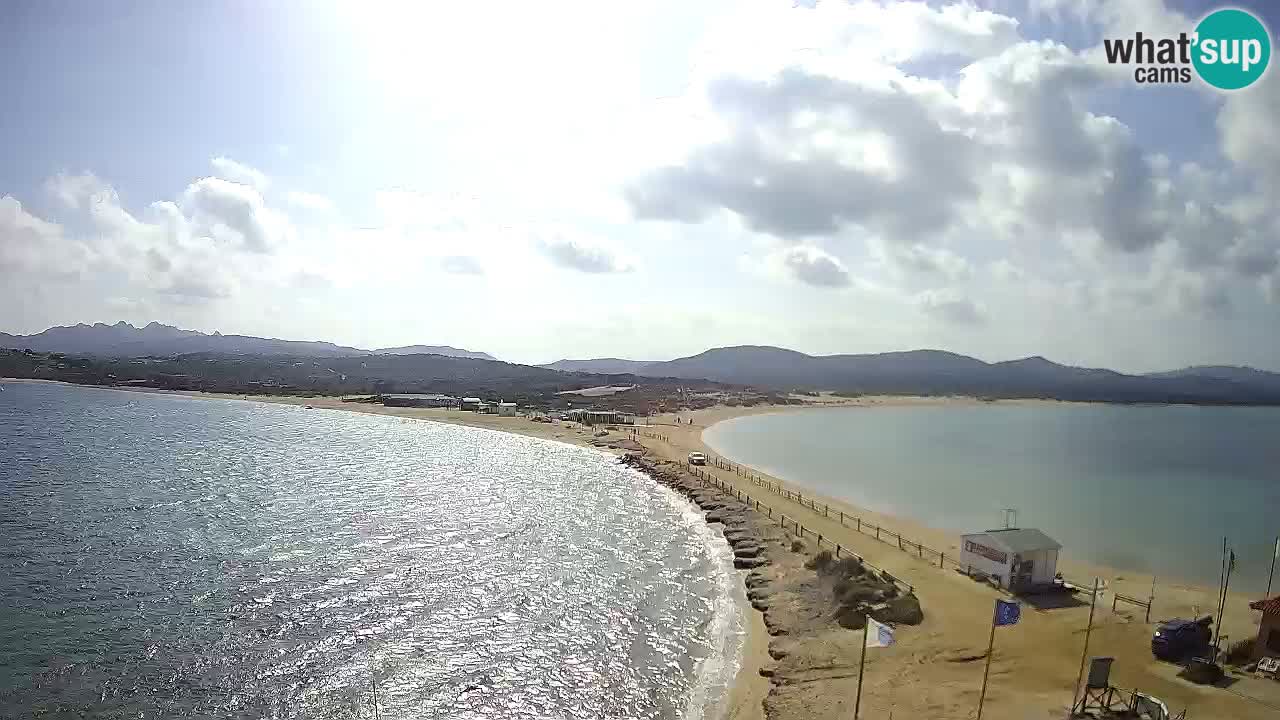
(791,524)
(883,534)
(1117,598)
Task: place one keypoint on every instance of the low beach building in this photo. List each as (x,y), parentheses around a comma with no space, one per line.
(1267,643)
(507,409)
(429,400)
(469,403)
(1019,559)
(600,417)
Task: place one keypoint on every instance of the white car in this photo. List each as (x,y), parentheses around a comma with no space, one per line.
(697,458)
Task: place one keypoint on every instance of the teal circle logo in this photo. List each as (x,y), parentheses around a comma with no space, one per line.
(1232,49)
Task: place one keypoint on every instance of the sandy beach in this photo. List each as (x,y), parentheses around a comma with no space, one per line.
(1036,663)
(935,669)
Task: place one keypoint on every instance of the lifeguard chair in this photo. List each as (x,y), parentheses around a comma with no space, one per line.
(1098,693)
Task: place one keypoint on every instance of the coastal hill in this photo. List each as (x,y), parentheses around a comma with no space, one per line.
(370,375)
(124,340)
(172,357)
(937,372)
(434,350)
(600,365)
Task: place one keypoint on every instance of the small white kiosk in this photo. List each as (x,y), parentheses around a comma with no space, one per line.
(1020,559)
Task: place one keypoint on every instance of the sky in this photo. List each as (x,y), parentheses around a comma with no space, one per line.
(642,180)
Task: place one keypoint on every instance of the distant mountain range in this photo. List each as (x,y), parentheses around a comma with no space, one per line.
(434,350)
(916,372)
(936,372)
(608,366)
(125,340)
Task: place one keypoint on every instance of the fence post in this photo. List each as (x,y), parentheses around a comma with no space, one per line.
(837,550)
(1115,598)
(859,524)
(920,548)
(942,558)
(877,532)
(825,509)
(899,542)
(842,518)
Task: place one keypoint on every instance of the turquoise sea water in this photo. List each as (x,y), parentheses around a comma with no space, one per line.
(1145,488)
(175,557)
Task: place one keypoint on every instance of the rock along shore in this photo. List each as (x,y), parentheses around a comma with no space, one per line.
(813,605)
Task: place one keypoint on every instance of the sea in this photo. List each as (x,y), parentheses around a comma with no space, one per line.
(1147,489)
(164,556)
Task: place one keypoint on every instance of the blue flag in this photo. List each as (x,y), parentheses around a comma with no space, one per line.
(1007,613)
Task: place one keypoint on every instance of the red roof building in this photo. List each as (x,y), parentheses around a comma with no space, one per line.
(1268,642)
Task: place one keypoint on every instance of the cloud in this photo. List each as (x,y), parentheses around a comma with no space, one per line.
(229,169)
(33,248)
(579,253)
(950,307)
(308,201)
(158,252)
(810,265)
(310,281)
(194,285)
(77,191)
(461,265)
(219,203)
(846,141)
(808,155)
(921,260)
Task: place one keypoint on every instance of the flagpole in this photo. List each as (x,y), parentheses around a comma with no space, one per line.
(1231,565)
(1274,555)
(866,627)
(1084,654)
(991,643)
(1222,575)
(1222,599)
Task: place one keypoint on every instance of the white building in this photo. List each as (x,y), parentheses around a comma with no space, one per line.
(1019,558)
(507,409)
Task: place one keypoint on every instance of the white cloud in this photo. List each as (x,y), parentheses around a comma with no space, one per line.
(229,169)
(950,307)
(918,259)
(31,247)
(810,265)
(218,204)
(308,201)
(461,265)
(1009,161)
(584,254)
(77,191)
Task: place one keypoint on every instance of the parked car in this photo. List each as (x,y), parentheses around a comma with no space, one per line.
(1178,638)
(697,458)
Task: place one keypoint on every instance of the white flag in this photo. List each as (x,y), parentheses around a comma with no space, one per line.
(878,634)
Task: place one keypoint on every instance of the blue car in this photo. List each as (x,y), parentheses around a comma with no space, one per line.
(1178,638)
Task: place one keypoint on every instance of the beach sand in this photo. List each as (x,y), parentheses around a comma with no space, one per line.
(930,673)
(934,670)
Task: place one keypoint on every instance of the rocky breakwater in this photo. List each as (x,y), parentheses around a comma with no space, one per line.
(814,605)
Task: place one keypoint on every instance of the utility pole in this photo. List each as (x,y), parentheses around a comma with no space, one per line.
(1274,555)
(1084,654)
